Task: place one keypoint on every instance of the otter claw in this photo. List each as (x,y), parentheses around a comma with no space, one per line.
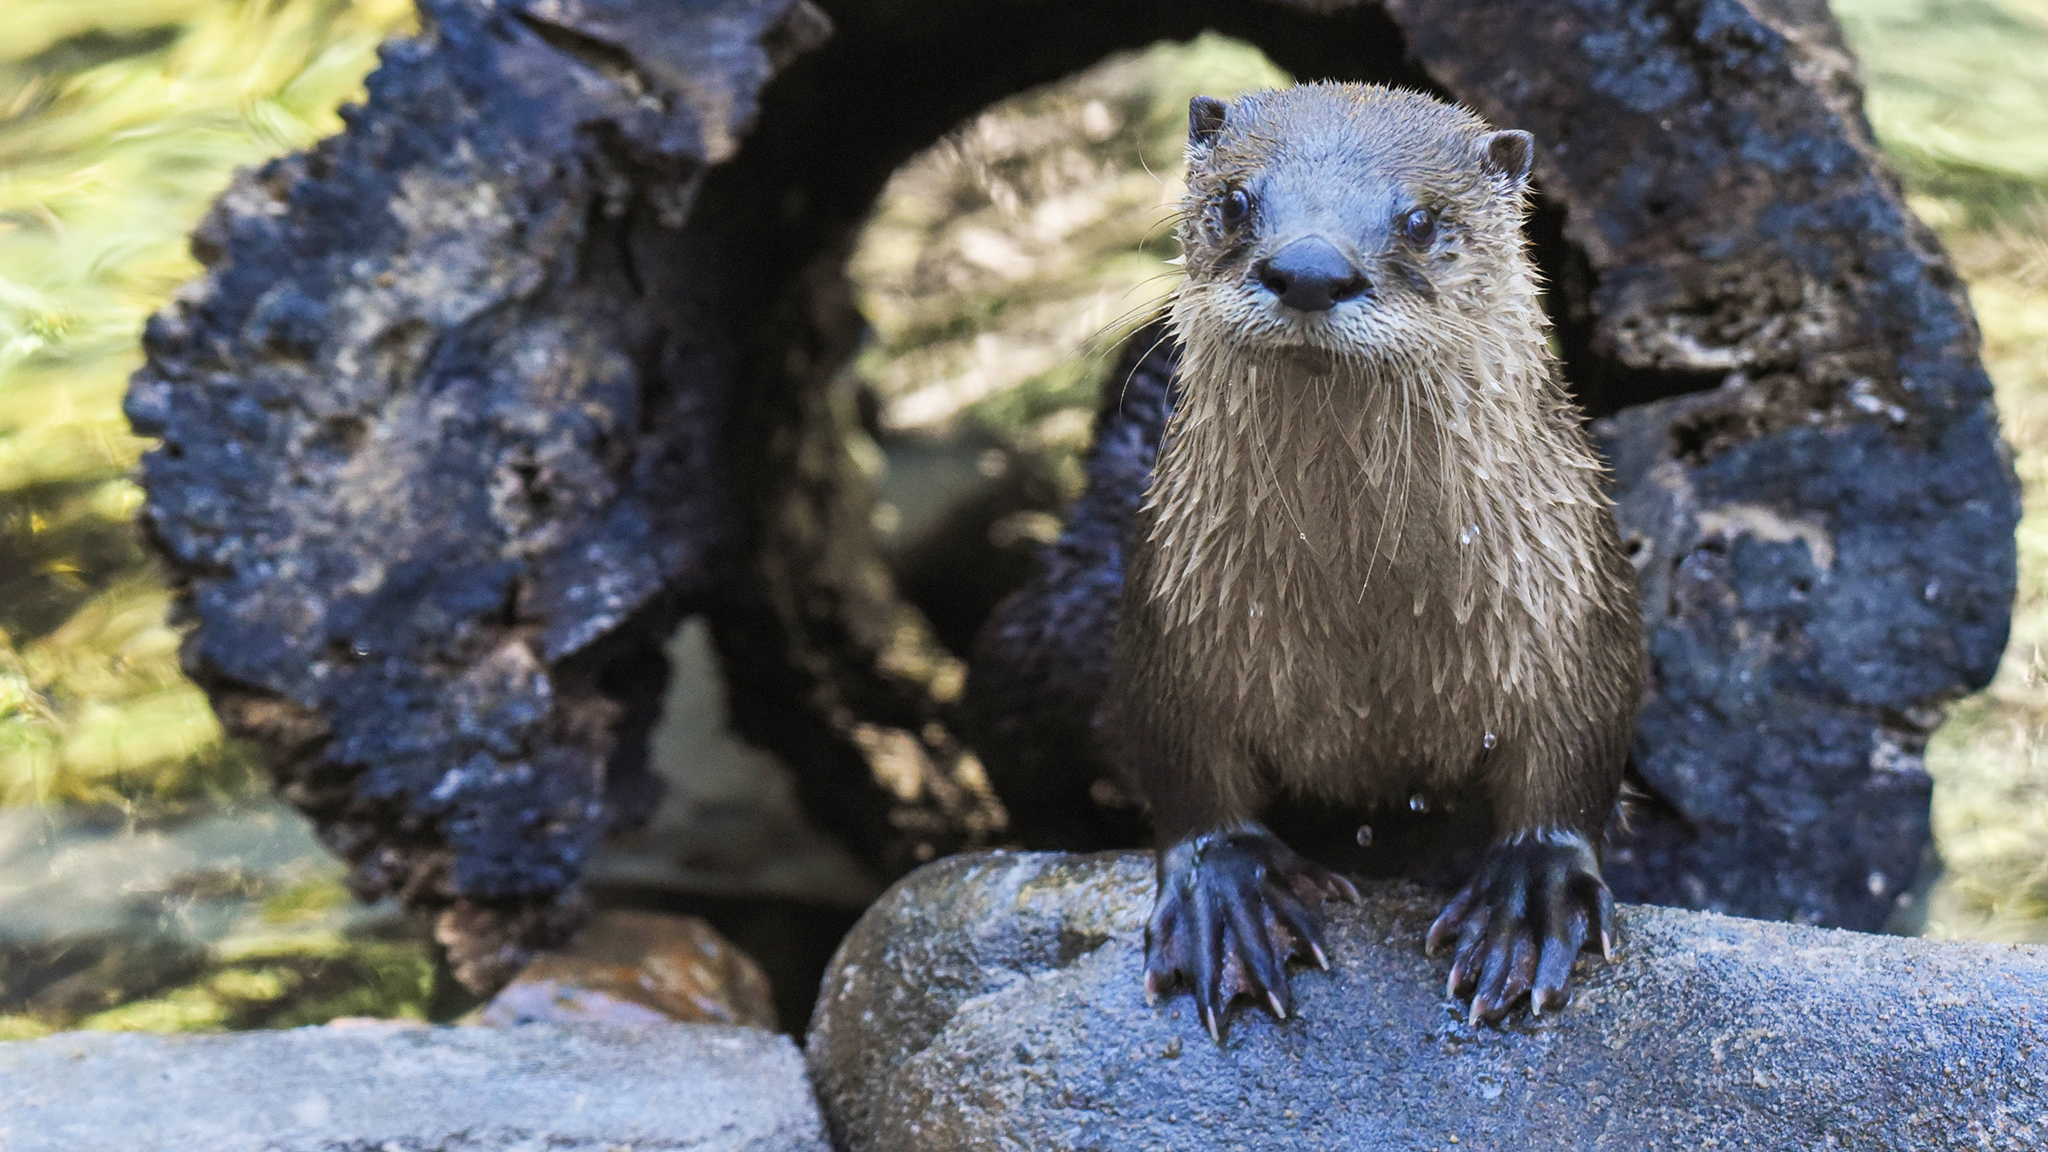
(1520,923)
(1234,907)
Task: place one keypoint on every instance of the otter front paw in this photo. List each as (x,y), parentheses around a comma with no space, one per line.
(1521,921)
(1234,905)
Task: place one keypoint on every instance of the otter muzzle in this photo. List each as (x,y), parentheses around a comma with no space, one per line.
(1310,275)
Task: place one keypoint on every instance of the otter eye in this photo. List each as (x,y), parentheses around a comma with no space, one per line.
(1237,204)
(1420,226)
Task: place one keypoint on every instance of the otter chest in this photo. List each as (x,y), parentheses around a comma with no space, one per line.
(1324,633)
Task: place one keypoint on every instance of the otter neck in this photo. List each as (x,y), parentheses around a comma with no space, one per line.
(1435,476)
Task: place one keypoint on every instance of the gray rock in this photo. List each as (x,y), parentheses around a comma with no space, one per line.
(994,1002)
(696,1087)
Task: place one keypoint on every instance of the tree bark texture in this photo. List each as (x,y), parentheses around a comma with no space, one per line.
(547,350)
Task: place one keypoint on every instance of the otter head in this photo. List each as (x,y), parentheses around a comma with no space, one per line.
(1365,222)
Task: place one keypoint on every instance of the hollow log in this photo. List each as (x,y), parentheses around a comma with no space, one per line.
(547,350)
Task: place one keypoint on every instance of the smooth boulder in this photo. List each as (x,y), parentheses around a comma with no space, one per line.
(993,1001)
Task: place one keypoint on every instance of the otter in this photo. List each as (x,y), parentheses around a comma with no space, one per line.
(1374,564)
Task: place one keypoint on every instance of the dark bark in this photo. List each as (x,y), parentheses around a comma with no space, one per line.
(444,446)
(544,352)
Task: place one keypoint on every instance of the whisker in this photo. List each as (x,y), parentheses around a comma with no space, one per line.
(1124,389)
(1120,328)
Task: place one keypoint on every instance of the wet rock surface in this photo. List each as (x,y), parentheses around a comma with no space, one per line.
(587,1089)
(994,1001)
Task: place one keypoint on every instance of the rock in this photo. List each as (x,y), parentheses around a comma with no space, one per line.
(586,1089)
(627,967)
(993,1002)
(545,1000)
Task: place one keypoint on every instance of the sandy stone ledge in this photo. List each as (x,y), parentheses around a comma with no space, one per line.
(700,1088)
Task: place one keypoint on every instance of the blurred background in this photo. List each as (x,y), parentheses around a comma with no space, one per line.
(147,879)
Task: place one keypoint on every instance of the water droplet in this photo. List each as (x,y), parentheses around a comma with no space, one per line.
(1418,803)
(1470,534)
(1303,535)
(1364,835)
(1877,883)
(1490,741)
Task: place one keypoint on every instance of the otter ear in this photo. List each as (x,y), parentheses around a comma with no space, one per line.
(1205,120)
(1509,154)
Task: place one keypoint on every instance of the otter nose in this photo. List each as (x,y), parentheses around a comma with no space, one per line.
(1309,275)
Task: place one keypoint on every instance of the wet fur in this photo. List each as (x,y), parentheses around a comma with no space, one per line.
(1375,536)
